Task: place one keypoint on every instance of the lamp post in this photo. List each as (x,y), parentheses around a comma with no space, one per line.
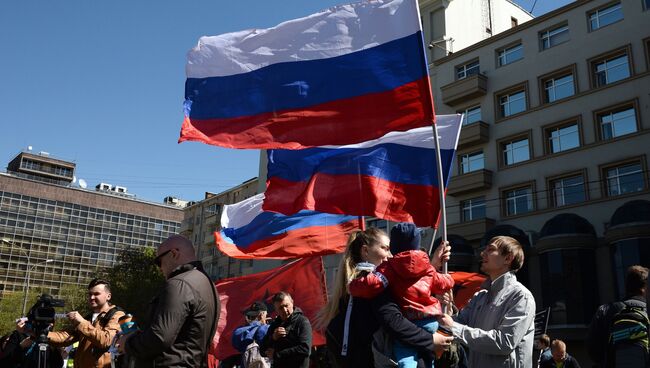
(29,270)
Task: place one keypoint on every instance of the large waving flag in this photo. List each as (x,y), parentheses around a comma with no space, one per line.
(393,177)
(249,232)
(345,75)
(466,284)
(303,279)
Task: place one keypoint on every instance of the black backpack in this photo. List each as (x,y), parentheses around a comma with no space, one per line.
(628,332)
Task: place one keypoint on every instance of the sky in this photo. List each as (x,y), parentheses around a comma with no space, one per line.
(101,83)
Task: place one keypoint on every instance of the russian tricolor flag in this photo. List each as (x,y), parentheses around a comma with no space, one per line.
(249,232)
(393,177)
(345,75)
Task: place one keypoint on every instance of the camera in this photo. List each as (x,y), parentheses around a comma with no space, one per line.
(42,314)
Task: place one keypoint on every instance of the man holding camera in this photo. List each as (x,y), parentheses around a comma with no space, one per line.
(94,333)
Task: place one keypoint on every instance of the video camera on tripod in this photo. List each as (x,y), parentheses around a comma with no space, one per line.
(40,318)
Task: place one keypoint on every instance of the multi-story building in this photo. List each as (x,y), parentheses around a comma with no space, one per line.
(554,149)
(57,233)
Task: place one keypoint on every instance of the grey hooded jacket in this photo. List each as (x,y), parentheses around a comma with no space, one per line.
(498,324)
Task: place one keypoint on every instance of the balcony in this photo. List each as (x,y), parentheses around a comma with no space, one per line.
(470,182)
(464,89)
(473,134)
(472,230)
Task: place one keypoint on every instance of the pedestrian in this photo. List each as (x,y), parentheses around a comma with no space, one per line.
(288,340)
(543,344)
(352,323)
(94,332)
(184,314)
(559,357)
(498,323)
(412,281)
(618,332)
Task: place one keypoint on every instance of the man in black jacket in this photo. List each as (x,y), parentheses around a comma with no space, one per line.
(183,315)
(288,340)
(632,349)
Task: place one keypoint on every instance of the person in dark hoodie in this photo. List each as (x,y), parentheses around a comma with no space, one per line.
(288,340)
(412,282)
(183,316)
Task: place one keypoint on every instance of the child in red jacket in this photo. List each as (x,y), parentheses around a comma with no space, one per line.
(412,281)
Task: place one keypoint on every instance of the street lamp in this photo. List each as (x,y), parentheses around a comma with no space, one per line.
(29,270)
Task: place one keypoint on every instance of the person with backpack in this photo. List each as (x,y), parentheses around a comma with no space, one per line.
(618,333)
(95,332)
(248,338)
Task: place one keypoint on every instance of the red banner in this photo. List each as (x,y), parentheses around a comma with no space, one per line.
(465,285)
(304,279)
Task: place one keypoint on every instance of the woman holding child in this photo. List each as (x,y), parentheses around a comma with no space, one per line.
(350,322)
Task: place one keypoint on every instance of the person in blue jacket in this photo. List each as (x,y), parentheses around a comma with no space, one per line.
(255,328)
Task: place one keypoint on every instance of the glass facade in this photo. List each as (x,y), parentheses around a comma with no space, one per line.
(568,285)
(626,253)
(80,239)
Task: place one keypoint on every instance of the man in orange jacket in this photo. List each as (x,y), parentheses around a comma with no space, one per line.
(95,332)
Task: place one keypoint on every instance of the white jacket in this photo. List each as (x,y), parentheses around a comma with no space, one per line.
(498,324)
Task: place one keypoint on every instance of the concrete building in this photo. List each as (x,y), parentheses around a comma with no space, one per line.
(56,233)
(555,151)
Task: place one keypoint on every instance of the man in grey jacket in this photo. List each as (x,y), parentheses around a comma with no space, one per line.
(183,315)
(497,325)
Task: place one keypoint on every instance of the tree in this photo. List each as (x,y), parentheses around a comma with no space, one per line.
(135,280)
(10,307)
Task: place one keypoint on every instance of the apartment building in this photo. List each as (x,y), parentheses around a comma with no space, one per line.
(554,150)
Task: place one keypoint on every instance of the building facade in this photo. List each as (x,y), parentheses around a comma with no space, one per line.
(554,149)
(56,233)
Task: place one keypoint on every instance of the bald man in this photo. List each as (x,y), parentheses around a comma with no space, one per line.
(183,315)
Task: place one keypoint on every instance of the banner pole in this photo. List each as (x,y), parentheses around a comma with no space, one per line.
(441,187)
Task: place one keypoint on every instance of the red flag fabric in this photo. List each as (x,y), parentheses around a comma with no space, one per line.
(304,279)
(465,285)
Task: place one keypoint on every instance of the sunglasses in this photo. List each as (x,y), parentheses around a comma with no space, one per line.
(158,260)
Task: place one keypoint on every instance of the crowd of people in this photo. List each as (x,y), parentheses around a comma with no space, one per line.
(389,307)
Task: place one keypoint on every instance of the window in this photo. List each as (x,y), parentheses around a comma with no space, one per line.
(567,190)
(472,209)
(512,103)
(471,162)
(568,287)
(510,54)
(624,178)
(617,122)
(562,138)
(553,37)
(518,200)
(557,88)
(515,151)
(605,16)
(610,69)
(513,22)
(472,115)
(468,69)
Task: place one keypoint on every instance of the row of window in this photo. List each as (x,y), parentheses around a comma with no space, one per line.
(618,179)
(553,36)
(42,167)
(612,122)
(610,68)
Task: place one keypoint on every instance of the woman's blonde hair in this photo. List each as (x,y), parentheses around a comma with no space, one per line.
(346,272)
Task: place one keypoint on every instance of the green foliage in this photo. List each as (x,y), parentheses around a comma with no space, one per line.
(134,279)
(11,307)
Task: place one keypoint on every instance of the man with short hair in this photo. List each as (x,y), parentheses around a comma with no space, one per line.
(543,344)
(288,340)
(497,325)
(184,314)
(609,344)
(94,333)
(559,357)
